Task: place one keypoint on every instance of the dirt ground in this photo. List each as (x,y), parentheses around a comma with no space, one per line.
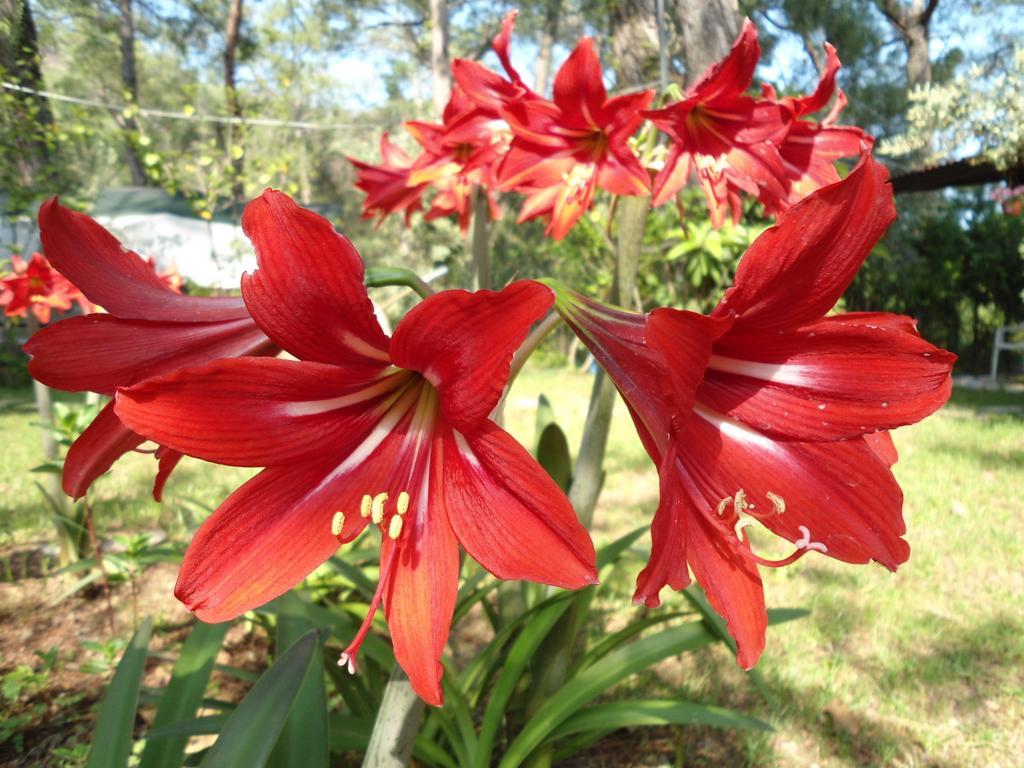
(55,714)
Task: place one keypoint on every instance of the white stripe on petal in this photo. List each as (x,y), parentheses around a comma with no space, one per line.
(312,407)
(786,373)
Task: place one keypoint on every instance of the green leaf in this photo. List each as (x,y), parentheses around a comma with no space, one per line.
(250,733)
(182,729)
(609,553)
(616,639)
(553,455)
(623,714)
(545,416)
(716,625)
(596,679)
(112,741)
(303,740)
(184,694)
(519,656)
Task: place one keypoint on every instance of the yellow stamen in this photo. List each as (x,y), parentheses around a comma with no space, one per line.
(364,506)
(377,507)
(337,523)
(403,503)
(395,527)
(723,504)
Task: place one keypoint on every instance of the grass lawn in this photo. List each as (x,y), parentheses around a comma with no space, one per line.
(921,668)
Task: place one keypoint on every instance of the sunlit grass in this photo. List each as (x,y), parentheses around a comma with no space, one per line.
(924,667)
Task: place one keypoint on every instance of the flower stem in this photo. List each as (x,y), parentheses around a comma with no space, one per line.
(528,347)
(479,242)
(398,722)
(560,645)
(378,277)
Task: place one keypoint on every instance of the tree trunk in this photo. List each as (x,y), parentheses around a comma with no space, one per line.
(30,156)
(236,133)
(708,28)
(547,39)
(130,81)
(912,24)
(634,43)
(440,69)
(919,65)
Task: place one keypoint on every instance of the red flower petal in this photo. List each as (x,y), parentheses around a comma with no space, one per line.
(463,343)
(258,412)
(509,515)
(666,566)
(94,452)
(308,294)
(100,352)
(673,176)
(734,73)
(579,85)
(118,279)
(881,443)
(732,583)
(684,341)
(421,592)
(818,100)
(783,280)
(270,534)
(836,378)
(841,493)
(167,461)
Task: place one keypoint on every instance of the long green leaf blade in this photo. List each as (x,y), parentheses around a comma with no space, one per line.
(112,742)
(598,678)
(253,728)
(623,714)
(303,740)
(184,693)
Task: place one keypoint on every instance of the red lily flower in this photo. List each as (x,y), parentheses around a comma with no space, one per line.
(562,150)
(810,149)
(148,329)
(459,155)
(489,90)
(34,286)
(362,428)
(724,137)
(769,411)
(387,185)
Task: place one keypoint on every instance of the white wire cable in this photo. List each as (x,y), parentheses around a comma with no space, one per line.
(195,117)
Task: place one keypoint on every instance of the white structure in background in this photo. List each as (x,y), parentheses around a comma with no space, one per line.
(1004,334)
(213,254)
(150,222)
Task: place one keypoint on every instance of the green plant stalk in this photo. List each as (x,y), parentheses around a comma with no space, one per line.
(379,277)
(396,725)
(558,650)
(480,243)
(67,540)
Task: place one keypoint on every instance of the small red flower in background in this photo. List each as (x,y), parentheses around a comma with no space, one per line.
(459,156)
(387,185)
(725,138)
(810,149)
(768,412)
(360,429)
(488,90)
(147,329)
(36,287)
(564,149)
